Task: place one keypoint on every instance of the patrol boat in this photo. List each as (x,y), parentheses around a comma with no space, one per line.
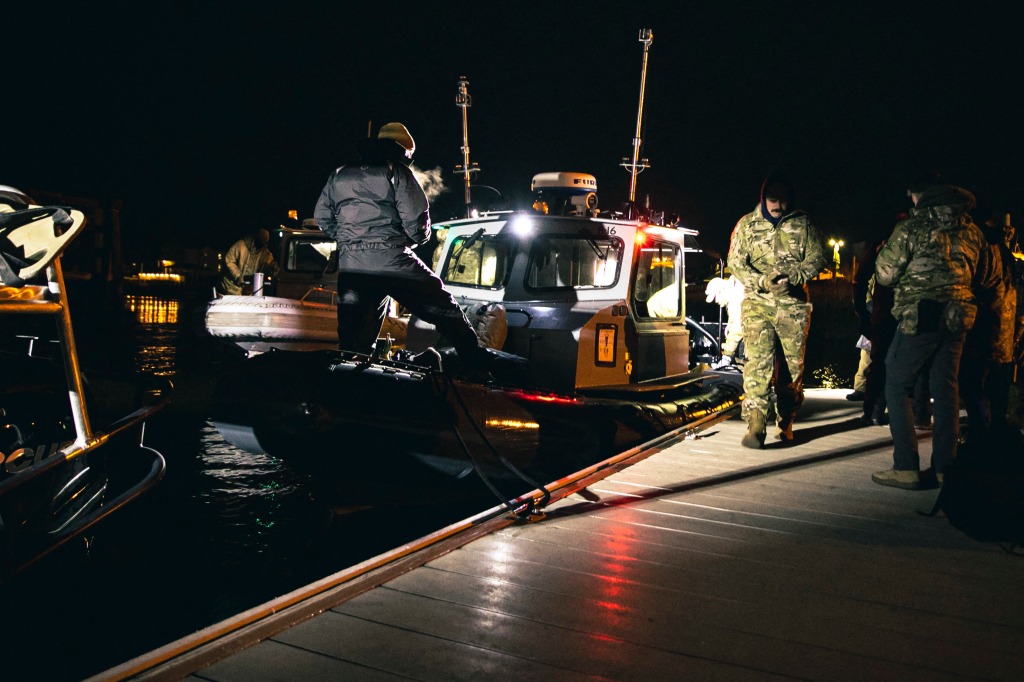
(58,475)
(595,360)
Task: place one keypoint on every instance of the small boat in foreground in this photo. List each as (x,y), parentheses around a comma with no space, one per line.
(58,476)
(597,361)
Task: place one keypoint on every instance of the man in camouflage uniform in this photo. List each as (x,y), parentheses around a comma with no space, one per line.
(774,251)
(935,260)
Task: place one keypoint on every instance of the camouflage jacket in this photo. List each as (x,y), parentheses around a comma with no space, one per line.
(999,310)
(759,251)
(937,254)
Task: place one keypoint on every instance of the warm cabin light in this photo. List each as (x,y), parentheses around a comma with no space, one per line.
(511,424)
(489,269)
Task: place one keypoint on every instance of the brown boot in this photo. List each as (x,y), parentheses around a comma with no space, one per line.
(785,433)
(756,429)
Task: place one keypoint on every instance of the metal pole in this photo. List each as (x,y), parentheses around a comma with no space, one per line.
(464,102)
(636,164)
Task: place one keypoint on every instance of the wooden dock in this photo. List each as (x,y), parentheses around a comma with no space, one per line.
(704,561)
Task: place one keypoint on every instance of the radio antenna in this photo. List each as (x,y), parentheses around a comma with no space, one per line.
(466,169)
(636,165)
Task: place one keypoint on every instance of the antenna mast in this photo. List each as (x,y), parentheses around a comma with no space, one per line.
(636,165)
(466,169)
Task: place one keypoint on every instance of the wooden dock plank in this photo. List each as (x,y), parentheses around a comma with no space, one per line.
(275,661)
(767,604)
(565,645)
(704,561)
(402,651)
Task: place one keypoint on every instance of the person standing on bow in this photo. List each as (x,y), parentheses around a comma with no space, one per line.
(376,210)
(774,251)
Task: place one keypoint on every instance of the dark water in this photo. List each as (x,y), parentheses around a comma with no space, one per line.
(223,532)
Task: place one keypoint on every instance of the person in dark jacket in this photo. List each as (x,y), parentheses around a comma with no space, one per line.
(376,211)
(873,304)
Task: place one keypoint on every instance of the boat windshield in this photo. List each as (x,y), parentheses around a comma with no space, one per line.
(574,262)
(311,254)
(657,293)
(478,261)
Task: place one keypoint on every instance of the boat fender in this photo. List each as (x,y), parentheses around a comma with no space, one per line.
(490,322)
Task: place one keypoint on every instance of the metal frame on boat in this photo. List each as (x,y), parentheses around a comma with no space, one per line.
(57,472)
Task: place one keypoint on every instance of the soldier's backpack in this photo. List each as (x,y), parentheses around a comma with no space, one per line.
(983,489)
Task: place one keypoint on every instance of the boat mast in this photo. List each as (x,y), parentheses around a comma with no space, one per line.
(466,169)
(636,165)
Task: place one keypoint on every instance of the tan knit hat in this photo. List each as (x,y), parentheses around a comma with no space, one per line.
(400,134)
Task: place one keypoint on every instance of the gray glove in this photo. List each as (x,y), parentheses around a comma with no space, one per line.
(778,283)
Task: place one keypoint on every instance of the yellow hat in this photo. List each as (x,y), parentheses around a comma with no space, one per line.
(400,134)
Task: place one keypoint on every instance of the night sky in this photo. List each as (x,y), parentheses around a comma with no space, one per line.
(208,122)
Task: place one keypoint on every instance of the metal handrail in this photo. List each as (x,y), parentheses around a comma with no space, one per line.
(157,469)
(75,450)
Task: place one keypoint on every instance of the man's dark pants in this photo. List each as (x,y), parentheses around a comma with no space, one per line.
(908,358)
(368,276)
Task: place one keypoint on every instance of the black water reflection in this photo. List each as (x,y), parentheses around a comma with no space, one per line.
(223,532)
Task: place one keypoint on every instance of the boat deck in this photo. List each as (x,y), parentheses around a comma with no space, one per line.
(704,561)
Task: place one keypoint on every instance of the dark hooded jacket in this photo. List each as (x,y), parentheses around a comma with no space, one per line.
(375,201)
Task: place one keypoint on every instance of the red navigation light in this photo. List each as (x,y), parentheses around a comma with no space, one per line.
(542,397)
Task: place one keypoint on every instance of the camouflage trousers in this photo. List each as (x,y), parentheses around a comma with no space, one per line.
(776,340)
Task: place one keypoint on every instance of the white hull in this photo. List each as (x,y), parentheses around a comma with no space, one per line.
(259,323)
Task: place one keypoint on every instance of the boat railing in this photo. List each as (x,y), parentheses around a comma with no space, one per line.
(43,243)
(318,292)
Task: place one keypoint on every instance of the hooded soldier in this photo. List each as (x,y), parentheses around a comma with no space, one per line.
(774,251)
(937,262)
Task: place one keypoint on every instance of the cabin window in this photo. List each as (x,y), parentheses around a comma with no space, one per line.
(574,262)
(656,291)
(483,263)
(309,255)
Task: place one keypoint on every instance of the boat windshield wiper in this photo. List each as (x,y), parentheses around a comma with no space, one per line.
(462,246)
(602,255)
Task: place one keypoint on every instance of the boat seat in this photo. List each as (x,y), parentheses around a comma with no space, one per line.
(32,238)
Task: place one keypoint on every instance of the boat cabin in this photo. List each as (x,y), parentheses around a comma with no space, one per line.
(590,302)
(307,258)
